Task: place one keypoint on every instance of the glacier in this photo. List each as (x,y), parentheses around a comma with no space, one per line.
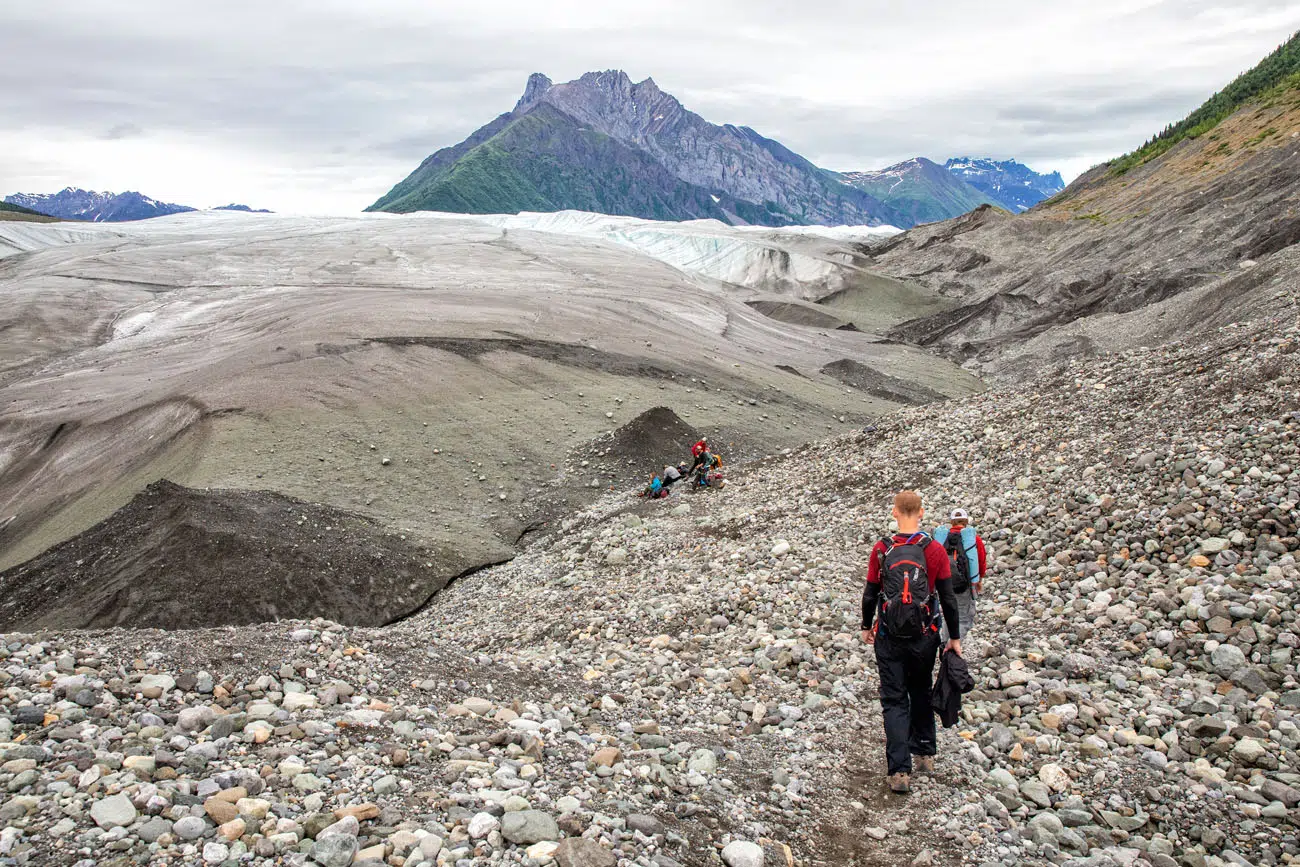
(264,351)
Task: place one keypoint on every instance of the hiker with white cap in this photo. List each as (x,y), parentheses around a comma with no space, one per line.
(969,564)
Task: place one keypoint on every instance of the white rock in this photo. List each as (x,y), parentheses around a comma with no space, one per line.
(543,851)
(477,706)
(215,853)
(194,719)
(296,701)
(115,811)
(703,761)
(1054,777)
(742,853)
(482,824)
(1249,750)
(165,682)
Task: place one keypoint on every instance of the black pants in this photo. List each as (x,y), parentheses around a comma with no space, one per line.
(906,676)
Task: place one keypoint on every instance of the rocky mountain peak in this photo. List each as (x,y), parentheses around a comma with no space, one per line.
(608,101)
(538,85)
(723,172)
(611,80)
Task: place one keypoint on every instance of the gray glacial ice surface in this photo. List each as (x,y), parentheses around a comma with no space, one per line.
(254,352)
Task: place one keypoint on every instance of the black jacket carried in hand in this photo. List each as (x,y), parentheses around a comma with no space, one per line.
(953,680)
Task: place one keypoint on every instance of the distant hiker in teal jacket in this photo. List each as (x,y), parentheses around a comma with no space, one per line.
(966,552)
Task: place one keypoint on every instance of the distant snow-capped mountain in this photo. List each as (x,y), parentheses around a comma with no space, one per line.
(1013,185)
(919,191)
(76,204)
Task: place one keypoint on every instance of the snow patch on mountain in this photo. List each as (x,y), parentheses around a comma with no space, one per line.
(72,203)
(1016,186)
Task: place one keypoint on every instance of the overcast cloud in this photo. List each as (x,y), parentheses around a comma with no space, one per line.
(320,107)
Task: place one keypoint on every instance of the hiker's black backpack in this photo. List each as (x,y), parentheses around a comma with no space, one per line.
(906,607)
(960,561)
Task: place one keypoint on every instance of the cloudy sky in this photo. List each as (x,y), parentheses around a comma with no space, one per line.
(321,106)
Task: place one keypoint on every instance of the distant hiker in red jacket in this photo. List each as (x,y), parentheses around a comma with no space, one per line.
(909,586)
(700,451)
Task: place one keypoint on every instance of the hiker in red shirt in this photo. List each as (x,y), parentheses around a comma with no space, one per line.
(908,595)
(700,451)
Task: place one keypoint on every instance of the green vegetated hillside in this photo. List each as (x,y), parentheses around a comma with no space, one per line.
(544,161)
(18,212)
(1279,71)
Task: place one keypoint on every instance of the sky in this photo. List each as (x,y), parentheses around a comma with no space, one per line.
(321,106)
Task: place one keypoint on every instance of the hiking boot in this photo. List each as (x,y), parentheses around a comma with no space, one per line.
(923,764)
(900,784)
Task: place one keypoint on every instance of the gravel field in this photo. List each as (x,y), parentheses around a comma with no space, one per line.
(681,682)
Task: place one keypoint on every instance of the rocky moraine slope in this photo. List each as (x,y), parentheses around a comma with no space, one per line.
(681,682)
(1146,248)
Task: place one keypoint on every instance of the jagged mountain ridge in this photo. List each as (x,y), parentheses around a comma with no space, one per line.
(546,161)
(751,167)
(1010,184)
(72,203)
(605,143)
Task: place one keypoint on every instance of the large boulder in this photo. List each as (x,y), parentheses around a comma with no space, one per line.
(525,827)
(116,811)
(581,852)
(742,853)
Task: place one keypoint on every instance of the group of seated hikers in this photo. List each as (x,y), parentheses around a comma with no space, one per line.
(705,472)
